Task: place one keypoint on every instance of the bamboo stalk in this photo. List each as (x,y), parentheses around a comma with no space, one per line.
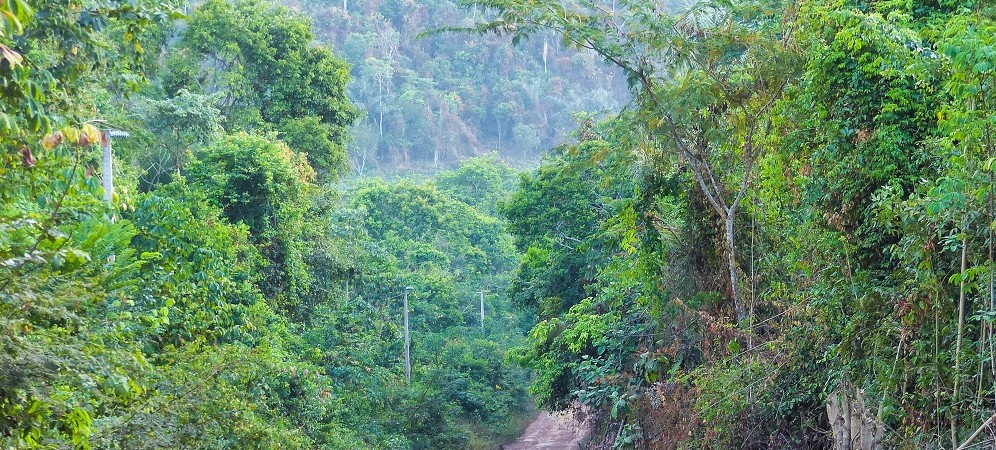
(961,335)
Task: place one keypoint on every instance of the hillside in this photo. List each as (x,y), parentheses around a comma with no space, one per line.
(433,100)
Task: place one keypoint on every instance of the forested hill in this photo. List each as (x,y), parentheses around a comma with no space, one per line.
(431,101)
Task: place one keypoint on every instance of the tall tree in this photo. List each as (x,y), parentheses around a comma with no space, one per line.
(270,74)
(705,77)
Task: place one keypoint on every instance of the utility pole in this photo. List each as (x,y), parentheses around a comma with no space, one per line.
(408,356)
(107,169)
(482,308)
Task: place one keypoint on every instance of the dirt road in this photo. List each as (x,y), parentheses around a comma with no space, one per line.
(549,432)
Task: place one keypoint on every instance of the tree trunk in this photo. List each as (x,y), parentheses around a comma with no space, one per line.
(380,98)
(731,258)
(961,335)
(852,426)
(545,51)
(961,312)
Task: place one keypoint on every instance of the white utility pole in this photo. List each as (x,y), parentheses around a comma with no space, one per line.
(108,163)
(408,357)
(107,171)
(482,309)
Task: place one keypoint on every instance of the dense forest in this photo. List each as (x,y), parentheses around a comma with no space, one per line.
(431,100)
(232,293)
(780,236)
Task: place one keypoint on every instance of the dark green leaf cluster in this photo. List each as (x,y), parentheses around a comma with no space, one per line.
(265,73)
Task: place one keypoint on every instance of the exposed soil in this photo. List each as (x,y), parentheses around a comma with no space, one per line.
(550,432)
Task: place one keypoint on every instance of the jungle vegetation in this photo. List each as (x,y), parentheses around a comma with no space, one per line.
(233,294)
(781,235)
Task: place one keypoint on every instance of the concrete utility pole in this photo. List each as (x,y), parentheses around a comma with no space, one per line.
(107,170)
(482,309)
(408,356)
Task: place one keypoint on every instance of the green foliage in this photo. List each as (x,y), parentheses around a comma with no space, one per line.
(555,216)
(854,139)
(261,58)
(197,277)
(263,184)
(66,358)
(314,138)
(209,311)
(482,182)
(873,106)
(54,51)
(178,125)
(258,181)
(798,207)
(60,296)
